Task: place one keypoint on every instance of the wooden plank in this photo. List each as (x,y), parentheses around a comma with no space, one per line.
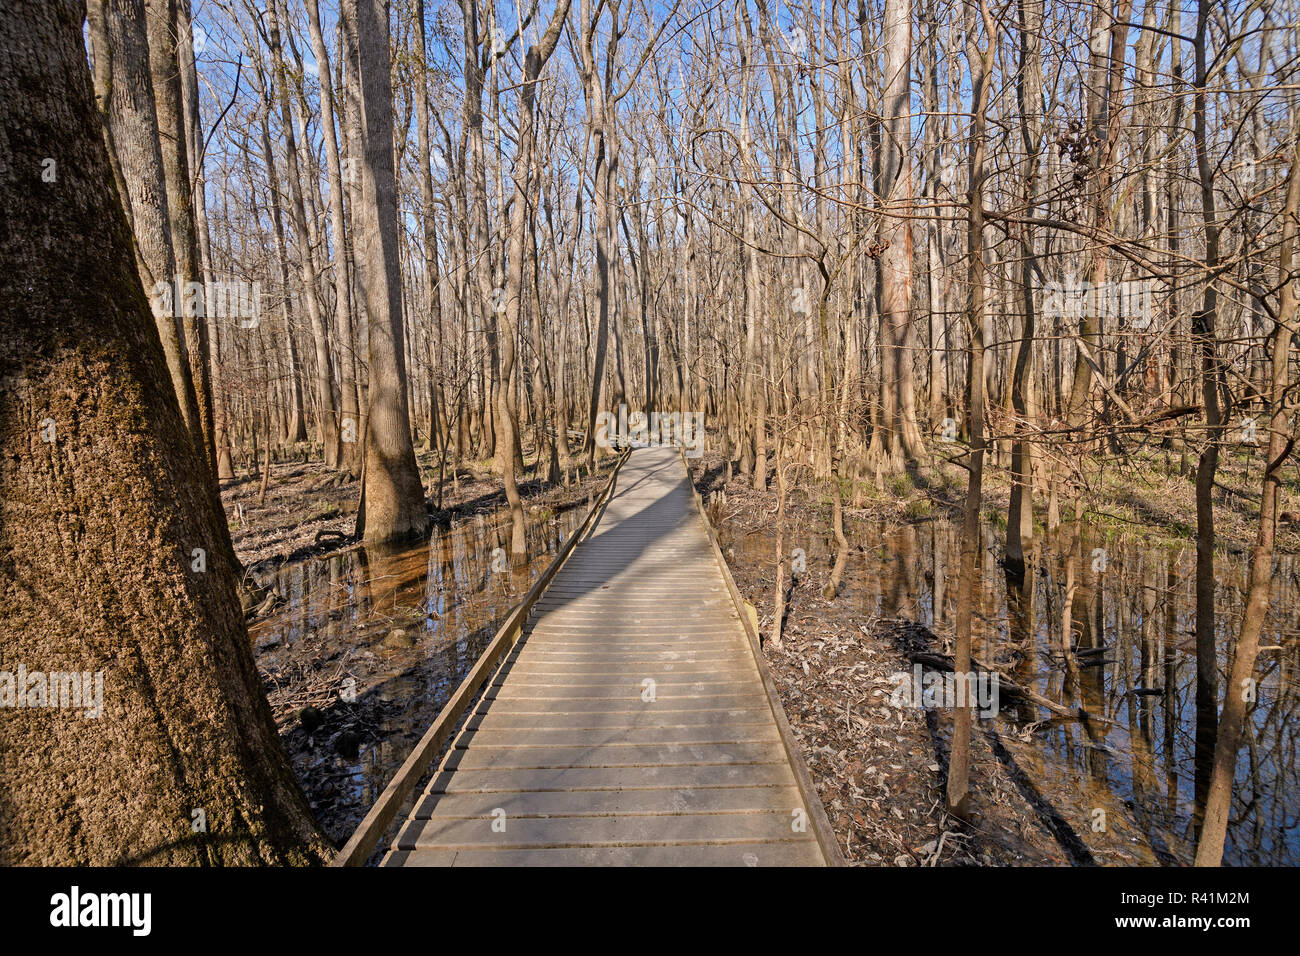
(705,828)
(599,575)
(560,653)
(631,628)
(640,718)
(617,736)
(593,635)
(646,617)
(643,593)
(649,606)
(641,755)
(609,639)
(636,583)
(598,685)
(667,800)
(566,697)
(567,655)
(555,649)
(612,670)
(588,705)
(805,853)
(613,778)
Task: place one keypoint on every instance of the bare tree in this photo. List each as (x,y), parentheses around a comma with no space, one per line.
(393,504)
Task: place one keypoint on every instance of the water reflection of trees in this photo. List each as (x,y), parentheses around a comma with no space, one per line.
(1118,642)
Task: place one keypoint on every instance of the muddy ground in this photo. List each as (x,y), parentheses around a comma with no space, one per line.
(881,770)
(310,510)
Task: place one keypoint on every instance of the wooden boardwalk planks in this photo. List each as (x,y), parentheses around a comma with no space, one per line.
(630,725)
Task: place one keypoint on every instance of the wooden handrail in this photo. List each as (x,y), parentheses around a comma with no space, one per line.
(367,835)
(812,801)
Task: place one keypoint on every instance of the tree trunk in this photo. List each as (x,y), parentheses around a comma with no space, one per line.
(82,363)
(393,495)
(1240,693)
(981,65)
(598,121)
(328,430)
(124,89)
(899,439)
(507,415)
(429,234)
(1203,331)
(164,65)
(349,413)
(1020,512)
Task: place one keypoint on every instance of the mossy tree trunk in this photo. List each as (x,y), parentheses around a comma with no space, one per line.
(105,502)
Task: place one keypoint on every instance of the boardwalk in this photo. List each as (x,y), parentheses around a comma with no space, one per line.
(630,723)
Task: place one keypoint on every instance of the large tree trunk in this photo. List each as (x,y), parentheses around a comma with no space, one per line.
(82,365)
(392,494)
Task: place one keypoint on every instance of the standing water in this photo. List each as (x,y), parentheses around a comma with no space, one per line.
(368,646)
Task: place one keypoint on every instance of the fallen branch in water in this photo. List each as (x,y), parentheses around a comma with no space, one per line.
(942,662)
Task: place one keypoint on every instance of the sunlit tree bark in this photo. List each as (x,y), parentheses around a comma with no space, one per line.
(93,439)
(392,495)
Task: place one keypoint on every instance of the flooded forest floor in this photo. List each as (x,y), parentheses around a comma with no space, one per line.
(358,649)
(1044,790)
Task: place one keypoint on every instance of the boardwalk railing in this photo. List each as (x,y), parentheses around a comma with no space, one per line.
(367,836)
(821,825)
